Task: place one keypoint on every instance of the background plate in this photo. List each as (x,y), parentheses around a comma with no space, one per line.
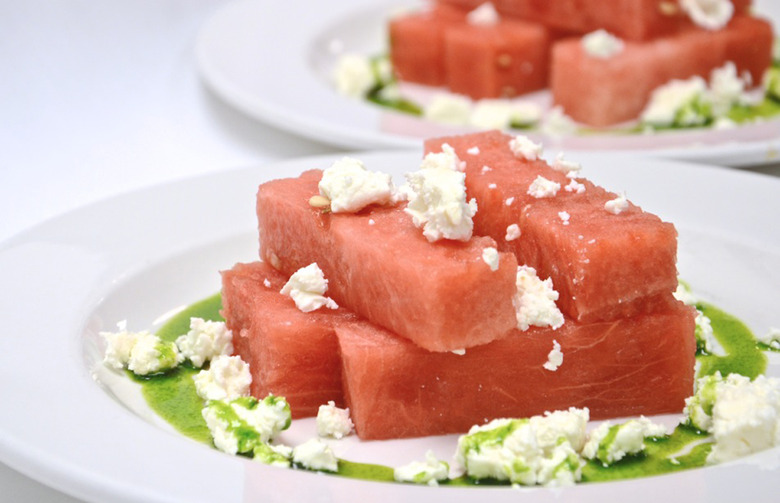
(273,61)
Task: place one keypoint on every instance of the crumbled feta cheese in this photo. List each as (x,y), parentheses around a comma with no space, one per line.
(742,415)
(205,340)
(119,345)
(554,357)
(726,89)
(315,455)
(141,352)
(448,109)
(446,159)
(539,450)
(150,355)
(266,283)
(431,471)
(618,205)
(307,287)
(437,199)
(705,337)
(509,201)
(485,169)
(557,123)
(350,187)
(569,168)
(525,113)
(274,455)
(610,443)
(354,76)
(524,148)
(491,114)
(535,301)
(564,216)
(459,352)
(771,338)
(709,14)
(227,377)
(490,257)
(574,186)
(241,424)
(685,295)
(484,15)
(679,102)
(333,421)
(542,187)
(512,232)
(492,186)
(473,151)
(602,44)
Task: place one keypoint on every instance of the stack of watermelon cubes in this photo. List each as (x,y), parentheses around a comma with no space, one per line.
(537,44)
(425,340)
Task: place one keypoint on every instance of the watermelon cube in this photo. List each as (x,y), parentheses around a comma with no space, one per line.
(441,295)
(628,19)
(417,44)
(604,92)
(504,60)
(637,365)
(290,353)
(603,265)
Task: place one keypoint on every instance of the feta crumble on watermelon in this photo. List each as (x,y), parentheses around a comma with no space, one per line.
(307,287)
(350,187)
(709,14)
(437,198)
(484,15)
(541,187)
(601,44)
(554,357)
(535,301)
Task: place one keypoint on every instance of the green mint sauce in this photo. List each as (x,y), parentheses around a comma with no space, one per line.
(172,395)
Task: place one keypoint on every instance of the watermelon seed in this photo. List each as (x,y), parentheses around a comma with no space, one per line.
(668,8)
(320,203)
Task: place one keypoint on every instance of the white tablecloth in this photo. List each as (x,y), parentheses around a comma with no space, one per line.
(102,97)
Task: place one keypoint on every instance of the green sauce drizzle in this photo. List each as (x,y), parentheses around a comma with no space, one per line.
(172,395)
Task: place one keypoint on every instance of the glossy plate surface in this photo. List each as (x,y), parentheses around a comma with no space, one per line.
(274,61)
(72,424)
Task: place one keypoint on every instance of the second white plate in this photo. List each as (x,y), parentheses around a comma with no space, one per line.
(273,61)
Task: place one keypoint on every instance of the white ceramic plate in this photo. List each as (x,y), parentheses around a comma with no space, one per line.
(273,61)
(70,423)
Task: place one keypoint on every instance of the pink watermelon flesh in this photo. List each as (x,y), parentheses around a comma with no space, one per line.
(604,266)
(604,92)
(417,44)
(637,365)
(505,60)
(628,19)
(290,353)
(442,295)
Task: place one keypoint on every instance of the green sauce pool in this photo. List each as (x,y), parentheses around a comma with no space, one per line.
(173,397)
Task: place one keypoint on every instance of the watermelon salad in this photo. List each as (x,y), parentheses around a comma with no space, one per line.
(648,66)
(495,296)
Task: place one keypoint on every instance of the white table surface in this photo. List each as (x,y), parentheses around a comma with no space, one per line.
(99,98)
